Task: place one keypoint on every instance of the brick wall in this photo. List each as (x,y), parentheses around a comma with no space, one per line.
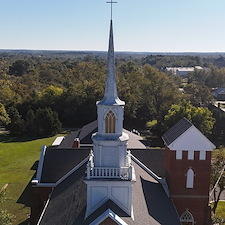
(108,221)
(194,199)
(39,197)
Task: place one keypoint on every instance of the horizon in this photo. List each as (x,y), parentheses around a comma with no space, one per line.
(105,51)
(143,26)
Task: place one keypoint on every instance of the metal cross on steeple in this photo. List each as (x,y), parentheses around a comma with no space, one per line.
(111,2)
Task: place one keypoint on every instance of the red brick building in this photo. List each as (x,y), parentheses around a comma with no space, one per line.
(188,163)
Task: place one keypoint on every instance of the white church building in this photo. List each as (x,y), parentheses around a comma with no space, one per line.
(103,174)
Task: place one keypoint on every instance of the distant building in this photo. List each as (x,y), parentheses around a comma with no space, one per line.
(220,62)
(182,71)
(219,94)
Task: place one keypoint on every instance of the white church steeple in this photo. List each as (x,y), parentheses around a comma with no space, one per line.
(110,96)
(110,108)
(109,169)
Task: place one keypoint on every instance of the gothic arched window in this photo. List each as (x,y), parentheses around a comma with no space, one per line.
(110,122)
(187,218)
(190,179)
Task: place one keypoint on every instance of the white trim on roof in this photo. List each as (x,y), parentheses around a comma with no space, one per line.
(72,171)
(161,180)
(55,184)
(40,166)
(108,214)
(43,212)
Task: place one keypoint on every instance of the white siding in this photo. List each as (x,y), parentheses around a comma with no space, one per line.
(178,154)
(202,155)
(191,155)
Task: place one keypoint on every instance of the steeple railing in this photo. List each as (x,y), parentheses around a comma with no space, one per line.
(123,173)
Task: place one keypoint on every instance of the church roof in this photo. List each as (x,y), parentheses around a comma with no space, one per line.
(85,134)
(58,162)
(174,132)
(67,203)
(153,159)
(185,136)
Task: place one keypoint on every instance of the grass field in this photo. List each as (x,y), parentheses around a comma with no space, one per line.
(17,157)
(221,209)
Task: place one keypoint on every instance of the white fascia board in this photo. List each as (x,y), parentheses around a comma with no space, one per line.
(108,213)
(44,185)
(192,139)
(40,166)
(150,172)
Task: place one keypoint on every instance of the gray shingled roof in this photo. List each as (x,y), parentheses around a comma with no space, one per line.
(85,134)
(150,203)
(58,162)
(174,132)
(153,159)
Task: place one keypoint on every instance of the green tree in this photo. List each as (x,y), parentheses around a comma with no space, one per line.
(198,95)
(218,128)
(201,117)
(198,77)
(216,78)
(46,122)
(17,124)
(159,92)
(217,176)
(19,68)
(4,117)
(49,95)
(30,123)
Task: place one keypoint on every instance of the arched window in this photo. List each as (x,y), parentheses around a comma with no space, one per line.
(190,179)
(110,122)
(187,218)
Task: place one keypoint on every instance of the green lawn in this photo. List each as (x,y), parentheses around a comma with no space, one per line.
(17,156)
(221,209)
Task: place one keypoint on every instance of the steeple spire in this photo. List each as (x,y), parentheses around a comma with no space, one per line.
(110,96)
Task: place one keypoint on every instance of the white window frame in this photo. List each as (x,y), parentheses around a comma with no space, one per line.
(110,122)
(190,179)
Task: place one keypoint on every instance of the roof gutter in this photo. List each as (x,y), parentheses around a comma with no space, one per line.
(37,180)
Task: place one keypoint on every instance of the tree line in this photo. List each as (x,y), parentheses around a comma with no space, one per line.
(65,91)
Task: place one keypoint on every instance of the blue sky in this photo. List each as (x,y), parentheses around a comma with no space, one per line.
(139,25)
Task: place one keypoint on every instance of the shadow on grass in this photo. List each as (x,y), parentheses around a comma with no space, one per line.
(7,138)
(26,222)
(25,197)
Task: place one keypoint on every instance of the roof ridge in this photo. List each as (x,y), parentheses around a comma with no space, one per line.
(176,131)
